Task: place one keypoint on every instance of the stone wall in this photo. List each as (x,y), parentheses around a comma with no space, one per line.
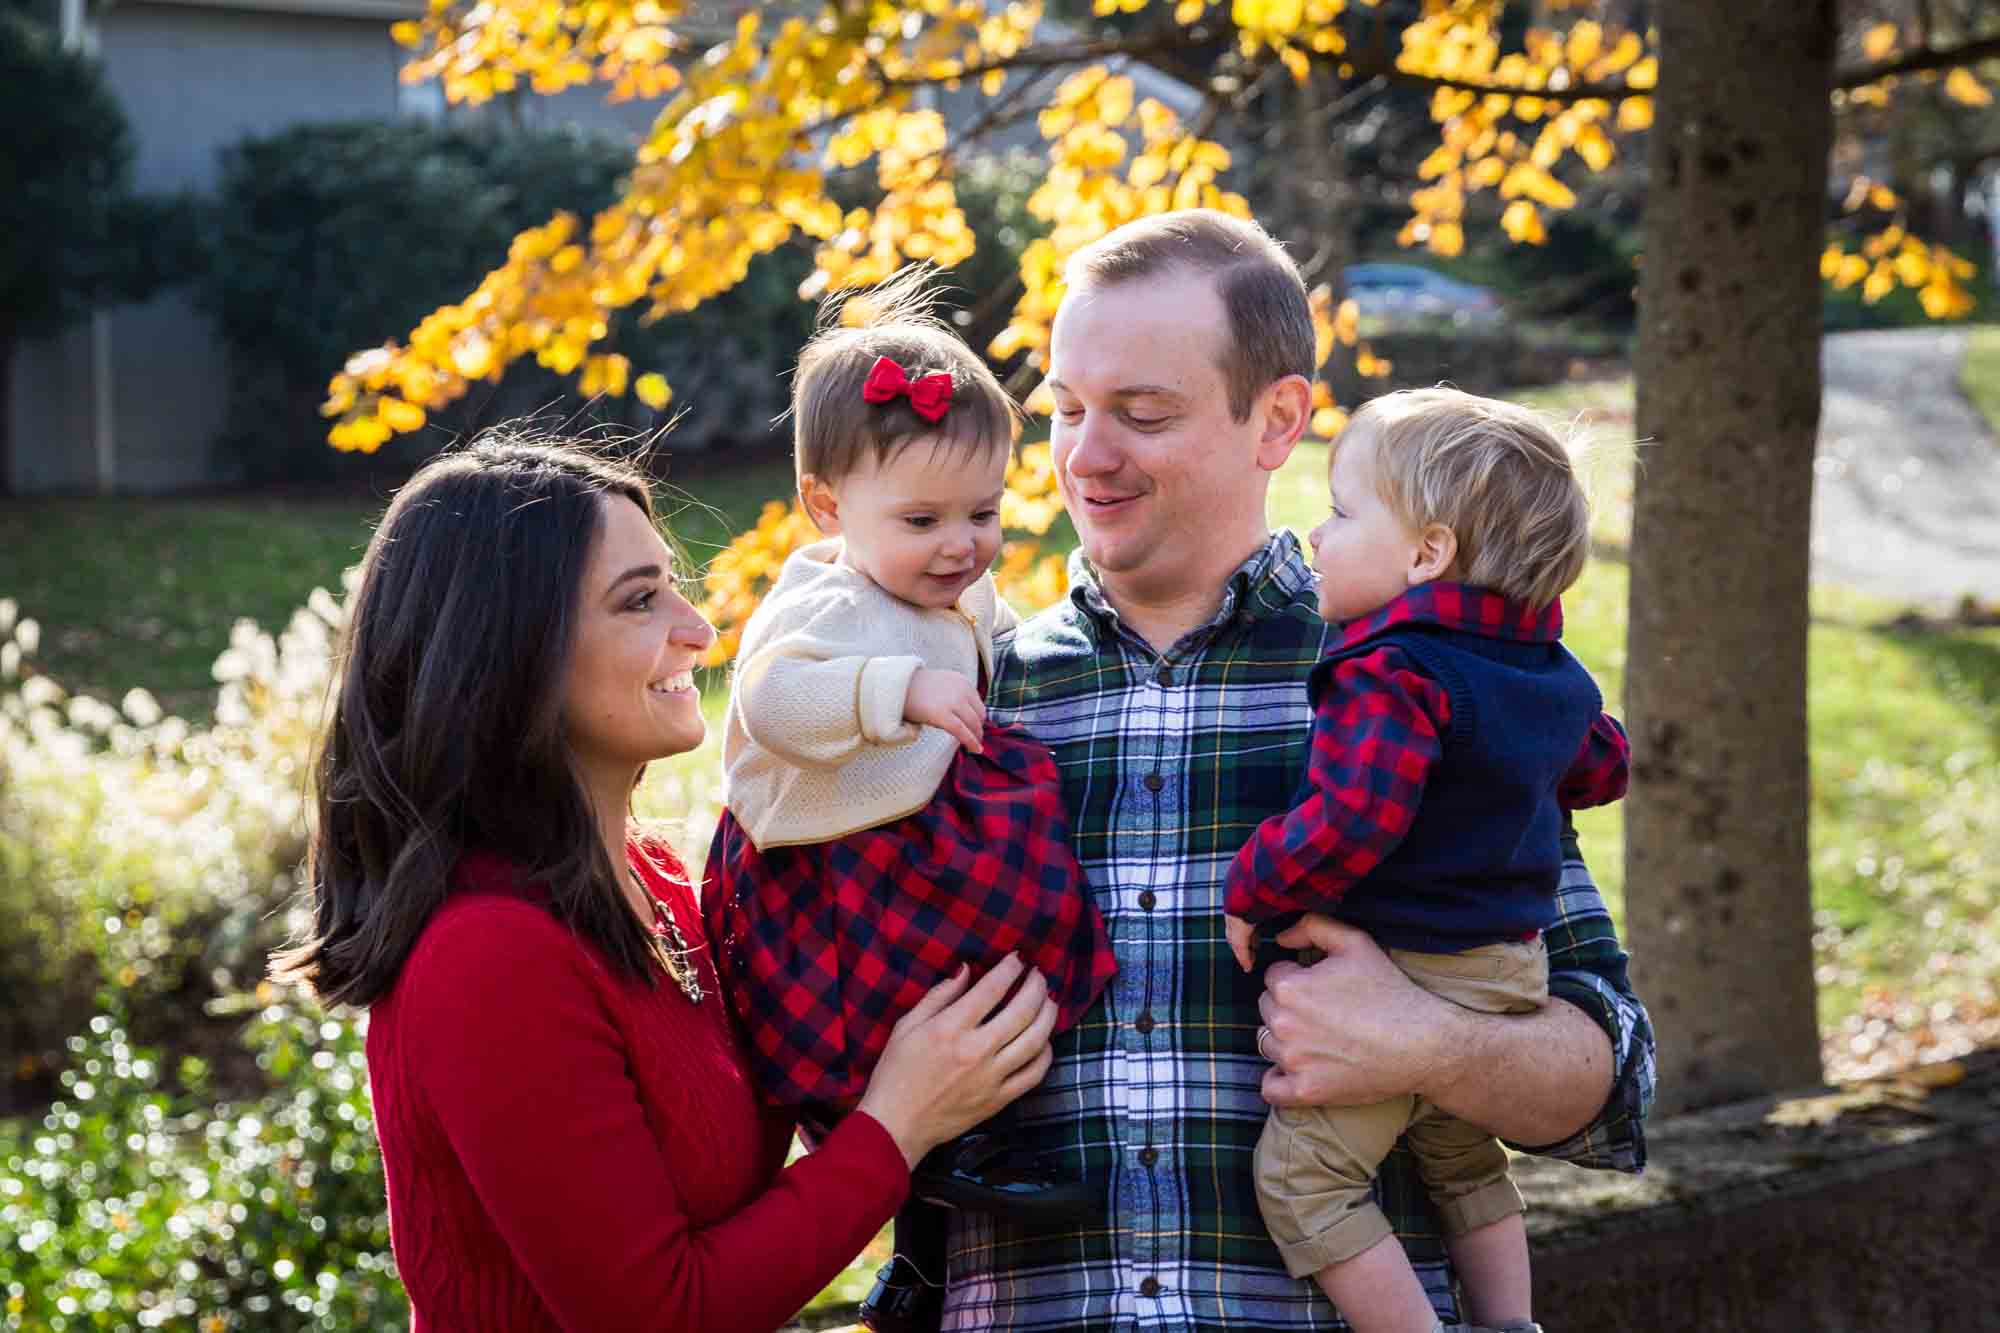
(1884,1217)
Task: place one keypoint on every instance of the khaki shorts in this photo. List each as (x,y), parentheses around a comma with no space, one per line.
(1315,1165)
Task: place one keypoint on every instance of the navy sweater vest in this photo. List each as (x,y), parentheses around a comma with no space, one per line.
(1483,857)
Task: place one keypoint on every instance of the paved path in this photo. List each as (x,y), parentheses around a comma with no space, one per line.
(1907,501)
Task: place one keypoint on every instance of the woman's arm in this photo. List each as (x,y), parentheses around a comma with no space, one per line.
(527,1077)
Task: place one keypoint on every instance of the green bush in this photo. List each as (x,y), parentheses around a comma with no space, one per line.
(76,234)
(327,239)
(330,238)
(144,864)
(140,853)
(138,1203)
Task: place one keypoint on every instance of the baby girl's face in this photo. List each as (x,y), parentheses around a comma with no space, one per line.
(925,524)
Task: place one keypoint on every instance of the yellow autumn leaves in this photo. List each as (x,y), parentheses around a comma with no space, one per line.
(544,48)
(727,173)
(740,159)
(1091,187)
(1893,257)
(1510,139)
(742,573)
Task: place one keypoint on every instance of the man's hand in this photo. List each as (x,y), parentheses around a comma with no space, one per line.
(1242,940)
(1351,1029)
(948,701)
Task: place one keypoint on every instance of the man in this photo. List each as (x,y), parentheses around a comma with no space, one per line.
(1170,685)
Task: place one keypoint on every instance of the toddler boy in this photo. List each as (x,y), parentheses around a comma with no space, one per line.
(1451,733)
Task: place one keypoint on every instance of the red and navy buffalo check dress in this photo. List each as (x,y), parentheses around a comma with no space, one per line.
(822,947)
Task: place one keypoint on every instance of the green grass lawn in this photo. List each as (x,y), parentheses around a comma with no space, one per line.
(1905,725)
(1980,377)
(133,591)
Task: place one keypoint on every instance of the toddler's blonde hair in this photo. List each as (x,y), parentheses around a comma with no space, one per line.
(1497,474)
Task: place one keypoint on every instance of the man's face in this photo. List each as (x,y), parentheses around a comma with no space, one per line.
(1156,476)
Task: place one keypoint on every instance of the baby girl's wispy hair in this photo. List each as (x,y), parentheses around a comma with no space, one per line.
(834,426)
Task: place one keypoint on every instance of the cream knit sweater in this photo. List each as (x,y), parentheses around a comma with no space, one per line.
(815,746)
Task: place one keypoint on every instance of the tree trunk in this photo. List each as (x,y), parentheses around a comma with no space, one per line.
(6,409)
(1728,367)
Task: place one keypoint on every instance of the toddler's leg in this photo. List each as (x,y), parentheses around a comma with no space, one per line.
(1315,1168)
(1464,1167)
(1492,1263)
(1465,1170)
(1377,1291)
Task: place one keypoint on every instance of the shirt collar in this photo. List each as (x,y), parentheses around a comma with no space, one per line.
(1273,577)
(1461,607)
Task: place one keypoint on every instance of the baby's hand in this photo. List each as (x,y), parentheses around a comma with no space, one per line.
(1242,940)
(948,701)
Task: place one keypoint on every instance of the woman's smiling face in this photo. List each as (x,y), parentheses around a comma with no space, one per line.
(630,696)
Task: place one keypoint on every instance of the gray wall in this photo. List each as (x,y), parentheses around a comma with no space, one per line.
(193,81)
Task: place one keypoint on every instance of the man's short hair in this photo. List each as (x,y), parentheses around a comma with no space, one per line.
(1495,473)
(1270,318)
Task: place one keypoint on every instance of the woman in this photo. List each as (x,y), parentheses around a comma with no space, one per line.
(569,1136)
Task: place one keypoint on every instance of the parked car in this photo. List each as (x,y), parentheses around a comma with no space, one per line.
(1406,293)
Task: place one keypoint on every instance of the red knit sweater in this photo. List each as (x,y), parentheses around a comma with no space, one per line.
(566,1149)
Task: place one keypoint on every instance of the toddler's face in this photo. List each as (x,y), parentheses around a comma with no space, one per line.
(926,524)
(1363,552)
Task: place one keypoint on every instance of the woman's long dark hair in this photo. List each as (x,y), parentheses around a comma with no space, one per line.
(447,731)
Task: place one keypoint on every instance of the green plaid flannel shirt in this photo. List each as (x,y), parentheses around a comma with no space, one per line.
(1168,763)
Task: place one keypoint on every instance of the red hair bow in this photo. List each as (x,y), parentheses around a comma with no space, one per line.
(929,395)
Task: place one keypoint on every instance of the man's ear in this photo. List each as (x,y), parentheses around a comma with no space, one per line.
(821,504)
(1286,407)
(1437,549)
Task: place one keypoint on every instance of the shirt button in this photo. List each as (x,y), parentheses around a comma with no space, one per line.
(1144,1022)
(1148,1156)
(1165,675)
(1150,1287)
(1147,898)
(1154,782)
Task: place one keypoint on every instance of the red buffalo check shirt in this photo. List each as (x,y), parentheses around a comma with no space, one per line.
(1379,721)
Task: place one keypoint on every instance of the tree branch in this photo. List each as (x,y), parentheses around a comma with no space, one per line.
(1047,57)
(1917,62)
(1575,92)
(1324,115)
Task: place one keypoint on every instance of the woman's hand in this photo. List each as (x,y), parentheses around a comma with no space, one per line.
(953,1061)
(948,701)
